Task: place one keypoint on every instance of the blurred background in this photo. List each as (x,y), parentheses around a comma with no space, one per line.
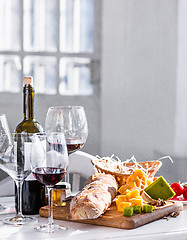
(125,61)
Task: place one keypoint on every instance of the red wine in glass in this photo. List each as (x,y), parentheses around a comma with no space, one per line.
(49,163)
(49,176)
(73,145)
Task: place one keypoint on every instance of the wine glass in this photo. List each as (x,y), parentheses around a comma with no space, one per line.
(71,120)
(15,161)
(49,163)
(4,129)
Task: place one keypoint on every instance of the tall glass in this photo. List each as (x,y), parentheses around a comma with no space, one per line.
(4,129)
(49,162)
(72,121)
(15,161)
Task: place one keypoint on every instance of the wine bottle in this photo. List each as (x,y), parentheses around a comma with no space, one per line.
(33,196)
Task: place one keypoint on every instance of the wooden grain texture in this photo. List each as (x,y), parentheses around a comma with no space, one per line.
(113,218)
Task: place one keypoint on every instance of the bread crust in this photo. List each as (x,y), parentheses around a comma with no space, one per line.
(95,197)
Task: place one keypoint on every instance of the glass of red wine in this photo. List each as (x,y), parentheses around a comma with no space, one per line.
(72,121)
(49,163)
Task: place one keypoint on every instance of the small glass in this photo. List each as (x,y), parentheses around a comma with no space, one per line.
(60,194)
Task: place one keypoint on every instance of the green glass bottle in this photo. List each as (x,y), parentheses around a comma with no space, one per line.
(33,196)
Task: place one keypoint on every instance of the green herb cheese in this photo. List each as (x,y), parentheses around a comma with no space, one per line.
(160,189)
(128,211)
(147,208)
(137,209)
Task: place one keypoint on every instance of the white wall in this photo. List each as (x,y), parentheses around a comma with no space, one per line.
(139,78)
(144,90)
(180,146)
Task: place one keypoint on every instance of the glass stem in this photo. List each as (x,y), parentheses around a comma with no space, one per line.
(50,213)
(67,176)
(19,185)
(67,179)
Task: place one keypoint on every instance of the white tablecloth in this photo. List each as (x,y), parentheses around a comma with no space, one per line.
(175,228)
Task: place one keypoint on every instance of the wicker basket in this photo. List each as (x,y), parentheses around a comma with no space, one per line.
(124,169)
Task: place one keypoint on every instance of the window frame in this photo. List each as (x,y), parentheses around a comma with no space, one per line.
(94,56)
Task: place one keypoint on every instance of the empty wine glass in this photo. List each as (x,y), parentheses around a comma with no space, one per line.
(72,121)
(4,129)
(49,163)
(14,160)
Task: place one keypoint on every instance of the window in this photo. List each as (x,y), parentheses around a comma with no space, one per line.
(55,41)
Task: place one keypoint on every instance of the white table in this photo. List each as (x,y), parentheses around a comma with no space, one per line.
(175,228)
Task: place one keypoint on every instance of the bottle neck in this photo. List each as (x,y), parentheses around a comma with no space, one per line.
(28,102)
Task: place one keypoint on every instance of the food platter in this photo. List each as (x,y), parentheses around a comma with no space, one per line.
(113,218)
(129,195)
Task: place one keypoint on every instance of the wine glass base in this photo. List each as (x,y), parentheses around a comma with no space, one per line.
(50,228)
(18,221)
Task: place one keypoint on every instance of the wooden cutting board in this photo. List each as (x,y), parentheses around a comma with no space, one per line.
(113,218)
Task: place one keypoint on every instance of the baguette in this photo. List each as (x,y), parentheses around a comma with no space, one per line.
(95,197)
